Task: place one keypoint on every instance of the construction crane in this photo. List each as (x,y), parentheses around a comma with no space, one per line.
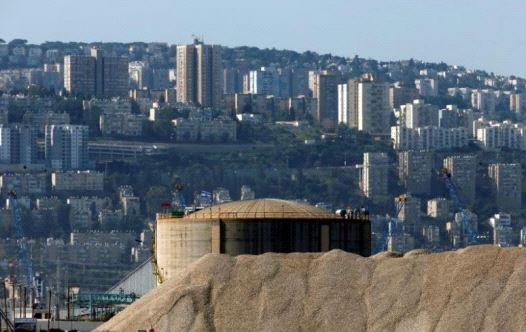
(468,231)
(393,223)
(26,265)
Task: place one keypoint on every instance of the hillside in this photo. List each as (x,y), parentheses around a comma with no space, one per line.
(478,288)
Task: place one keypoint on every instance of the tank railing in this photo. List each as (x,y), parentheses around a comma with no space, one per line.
(277,214)
(164,216)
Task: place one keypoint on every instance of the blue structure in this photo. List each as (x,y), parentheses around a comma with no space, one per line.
(25,261)
(468,231)
(178,202)
(393,226)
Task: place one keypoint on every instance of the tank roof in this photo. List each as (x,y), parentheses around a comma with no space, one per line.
(267,208)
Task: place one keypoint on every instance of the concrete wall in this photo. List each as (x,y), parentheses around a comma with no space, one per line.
(180,242)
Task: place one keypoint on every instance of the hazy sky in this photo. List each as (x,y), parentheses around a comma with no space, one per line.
(481,34)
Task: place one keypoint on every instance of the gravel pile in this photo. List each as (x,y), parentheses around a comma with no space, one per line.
(474,289)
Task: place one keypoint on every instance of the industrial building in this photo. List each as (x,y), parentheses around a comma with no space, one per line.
(255,227)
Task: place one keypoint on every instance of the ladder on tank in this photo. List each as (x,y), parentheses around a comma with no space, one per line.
(4,318)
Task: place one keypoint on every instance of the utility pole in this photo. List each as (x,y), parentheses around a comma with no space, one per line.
(58,293)
(4,315)
(48,309)
(33,302)
(25,301)
(20,302)
(5,300)
(14,301)
(69,304)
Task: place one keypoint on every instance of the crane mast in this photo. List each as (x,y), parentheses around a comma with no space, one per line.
(468,231)
(25,260)
(393,227)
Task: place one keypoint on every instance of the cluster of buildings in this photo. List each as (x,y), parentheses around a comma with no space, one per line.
(65,146)
(218,130)
(100,240)
(453,128)
(364,104)
(42,137)
(419,174)
(194,90)
(96,260)
(424,126)
(495,135)
(488,101)
(18,54)
(42,182)
(429,138)
(202,77)
(116,117)
(96,74)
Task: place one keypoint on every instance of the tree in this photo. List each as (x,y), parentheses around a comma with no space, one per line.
(135,109)
(71,106)
(247,108)
(17,42)
(15,112)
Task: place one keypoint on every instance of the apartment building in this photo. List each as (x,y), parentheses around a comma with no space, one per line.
(428,138)
(96,75)
(374,175)
(66,146)
(363,103)
(418,114)
(463,170)
(77,181)
(199,74)
(438,208)
(415,170)
(506,180)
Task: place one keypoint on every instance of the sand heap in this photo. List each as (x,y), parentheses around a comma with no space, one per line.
(478,288)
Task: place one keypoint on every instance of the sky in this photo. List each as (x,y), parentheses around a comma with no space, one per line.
(480,34)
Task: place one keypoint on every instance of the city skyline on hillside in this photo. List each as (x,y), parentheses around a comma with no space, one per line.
(431,32)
